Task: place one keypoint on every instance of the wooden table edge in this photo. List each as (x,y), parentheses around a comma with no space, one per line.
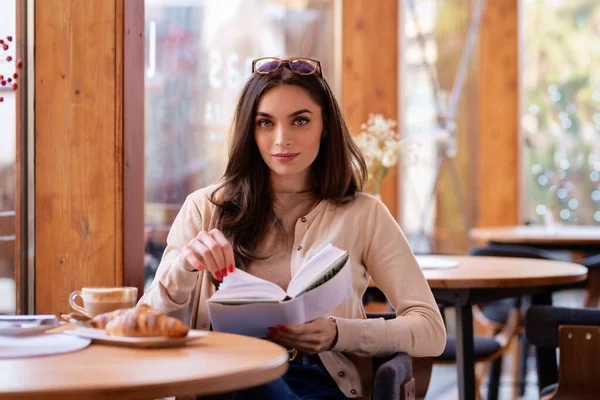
(187,387)
(496,283)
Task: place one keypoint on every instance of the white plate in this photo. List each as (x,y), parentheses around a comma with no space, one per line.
(436,262)
(40,345)
(24,330)
(100,336)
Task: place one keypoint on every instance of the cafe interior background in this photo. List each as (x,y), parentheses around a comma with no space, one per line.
(101,141)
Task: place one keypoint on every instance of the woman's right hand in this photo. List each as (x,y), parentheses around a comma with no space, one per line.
(210,251)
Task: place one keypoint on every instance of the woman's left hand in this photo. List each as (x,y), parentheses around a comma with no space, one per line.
(313,337)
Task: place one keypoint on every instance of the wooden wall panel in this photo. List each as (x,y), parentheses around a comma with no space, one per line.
(370,71)
(498,142)
(20,181)
(132,95)
(77,196)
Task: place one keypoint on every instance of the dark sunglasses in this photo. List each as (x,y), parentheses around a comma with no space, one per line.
(302,66)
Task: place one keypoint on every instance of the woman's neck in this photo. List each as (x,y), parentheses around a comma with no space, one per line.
(291,184)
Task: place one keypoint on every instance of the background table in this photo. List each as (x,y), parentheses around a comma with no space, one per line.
(482,279)
(580,241)
(216,363)
(559,237)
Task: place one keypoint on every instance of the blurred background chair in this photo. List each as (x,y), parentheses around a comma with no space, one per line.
(493,316)
(576,331)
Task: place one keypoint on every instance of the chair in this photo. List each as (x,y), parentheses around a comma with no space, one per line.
(393,378)
(576,332)
(493,316)
(593,294)
(398,376)
(485,348)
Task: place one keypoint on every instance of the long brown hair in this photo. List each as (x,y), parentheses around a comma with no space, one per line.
(244,200)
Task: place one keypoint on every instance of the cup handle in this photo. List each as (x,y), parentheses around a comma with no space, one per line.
(76,306)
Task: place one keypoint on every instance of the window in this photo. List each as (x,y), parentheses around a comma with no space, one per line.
(560,119)
(199,54)
(8,138)
(433,36)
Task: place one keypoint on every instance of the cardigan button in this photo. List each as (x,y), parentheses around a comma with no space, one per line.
(299,248)
(341,374)
(353,391)
(303,219)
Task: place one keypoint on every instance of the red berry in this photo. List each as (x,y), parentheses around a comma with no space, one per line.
(9,38)
(9,80)
(5,46)
(15,86)
(1,41)
(1,99)
(15,75)
(9,58)
(3,83)
(19,63)
(1,77)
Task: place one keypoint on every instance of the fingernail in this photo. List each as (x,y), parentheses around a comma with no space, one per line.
(272,330)
(199,267)
(230,268)
(283,329)
(224,272)
(218,276)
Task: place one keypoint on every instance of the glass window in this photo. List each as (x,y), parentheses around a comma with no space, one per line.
(560,118)
(199,54)
(433,36)
(7,160)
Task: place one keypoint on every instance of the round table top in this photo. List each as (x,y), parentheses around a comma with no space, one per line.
(474,272)
(216,363)
(540,235)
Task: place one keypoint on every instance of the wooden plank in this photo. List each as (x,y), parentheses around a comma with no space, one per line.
(497,151)
(133,141)
(75,149)
(20,183)
(370,71)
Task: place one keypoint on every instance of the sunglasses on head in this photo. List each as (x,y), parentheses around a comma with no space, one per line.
(302,66)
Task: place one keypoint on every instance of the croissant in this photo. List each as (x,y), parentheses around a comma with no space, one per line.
(100,320)
(144,322)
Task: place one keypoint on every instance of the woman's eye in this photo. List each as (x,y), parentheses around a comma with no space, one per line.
(301,121)
(265,123)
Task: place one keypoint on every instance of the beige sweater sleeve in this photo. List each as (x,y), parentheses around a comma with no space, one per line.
(418,328)
(173,285)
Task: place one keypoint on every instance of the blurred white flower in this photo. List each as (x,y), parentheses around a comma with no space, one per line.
(381,147)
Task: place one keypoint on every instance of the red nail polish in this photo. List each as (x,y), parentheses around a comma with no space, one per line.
(199,267)
(218,276)
(283,329)
(224,272)
(230,268)
(272,330)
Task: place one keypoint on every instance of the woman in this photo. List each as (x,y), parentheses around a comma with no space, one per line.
(293,184)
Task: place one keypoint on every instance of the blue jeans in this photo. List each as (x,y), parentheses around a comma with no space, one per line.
(301,382)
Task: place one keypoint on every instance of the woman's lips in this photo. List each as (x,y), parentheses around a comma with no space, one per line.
(285,157)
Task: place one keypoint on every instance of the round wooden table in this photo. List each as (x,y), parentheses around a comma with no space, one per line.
(217,363)
(554,236)
(478,280)
(501,272)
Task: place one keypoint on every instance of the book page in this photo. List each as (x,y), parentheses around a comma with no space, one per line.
(240,287)
(253,319)
(324,264)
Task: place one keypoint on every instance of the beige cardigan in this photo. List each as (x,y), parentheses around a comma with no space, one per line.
(378,249)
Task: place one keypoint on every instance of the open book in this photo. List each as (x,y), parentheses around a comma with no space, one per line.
(248,305)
